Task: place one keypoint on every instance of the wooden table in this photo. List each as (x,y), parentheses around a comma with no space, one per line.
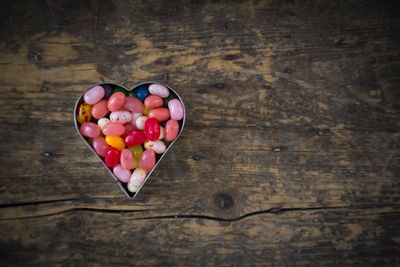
(290,154)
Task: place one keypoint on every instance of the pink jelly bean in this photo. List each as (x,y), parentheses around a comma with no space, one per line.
(171,130)
(89,129)
(99,110)
(127,160)
(159,89)
(161,114)
(133,104)
(122,174)
(148,159)
(121,116)
(116,101)
(113,129)
(175,109)
(94,95)
(129,127)
(100,146)
(153,101)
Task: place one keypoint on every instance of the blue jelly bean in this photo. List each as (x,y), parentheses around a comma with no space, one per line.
(108,91)
(142,92)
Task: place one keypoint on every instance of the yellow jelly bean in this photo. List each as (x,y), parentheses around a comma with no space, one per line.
(84,113)
(146,111)
(115,141)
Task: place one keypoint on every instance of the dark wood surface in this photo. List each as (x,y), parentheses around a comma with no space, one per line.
(290,155)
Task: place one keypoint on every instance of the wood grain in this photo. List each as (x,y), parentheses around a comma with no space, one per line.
(290,153)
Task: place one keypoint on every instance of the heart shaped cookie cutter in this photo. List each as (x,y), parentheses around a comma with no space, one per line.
(159,157)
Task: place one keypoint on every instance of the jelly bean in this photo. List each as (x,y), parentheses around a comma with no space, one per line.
(84,113)
(115,141)
(113,128)
(111,159)
(137,178)
(133,104)
(129,127)
(99,110)
(124,175)
(148,159)
(171,130)
(140,121)
(136,151)
(152,129)
(142,92)
(134,117)
(159,89)
(100,146)
(120,89)
(89,129)
(127,160)
(176,109)
(102,122)
(153,101)
(121,116)
(146,111)
(108,91)
(161,114)
(131,93)
(94,95)
(161,133)
(116,101)
(134,138)
(157,146)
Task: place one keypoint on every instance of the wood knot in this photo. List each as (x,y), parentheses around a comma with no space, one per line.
(75,222)
(224,201)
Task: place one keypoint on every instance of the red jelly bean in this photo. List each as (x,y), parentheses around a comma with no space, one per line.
(134,138)
(112,157)
(152,129)
(116,101)
(148,159)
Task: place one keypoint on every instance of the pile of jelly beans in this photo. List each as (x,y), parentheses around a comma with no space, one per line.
(128,129)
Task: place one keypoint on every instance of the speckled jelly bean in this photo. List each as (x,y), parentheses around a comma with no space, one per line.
(137,178)
(112,157)
(152,128)
(116,101)
(122,174)
(107,90)
(99,110)
(175,109)
(148,159)
(121,116)
(157,146)
(133,104)
(115,141)
(140,121)
(159,89)
(127,160)
(134,117)
(103,121)
(171,130)
(153,101)
(89,129)
(136,152)
(113,129)
(134,138)
(84,113)
(142,92)
(100,146)
(94,95)
(161,114)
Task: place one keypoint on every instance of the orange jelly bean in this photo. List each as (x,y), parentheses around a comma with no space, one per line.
(115,141)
